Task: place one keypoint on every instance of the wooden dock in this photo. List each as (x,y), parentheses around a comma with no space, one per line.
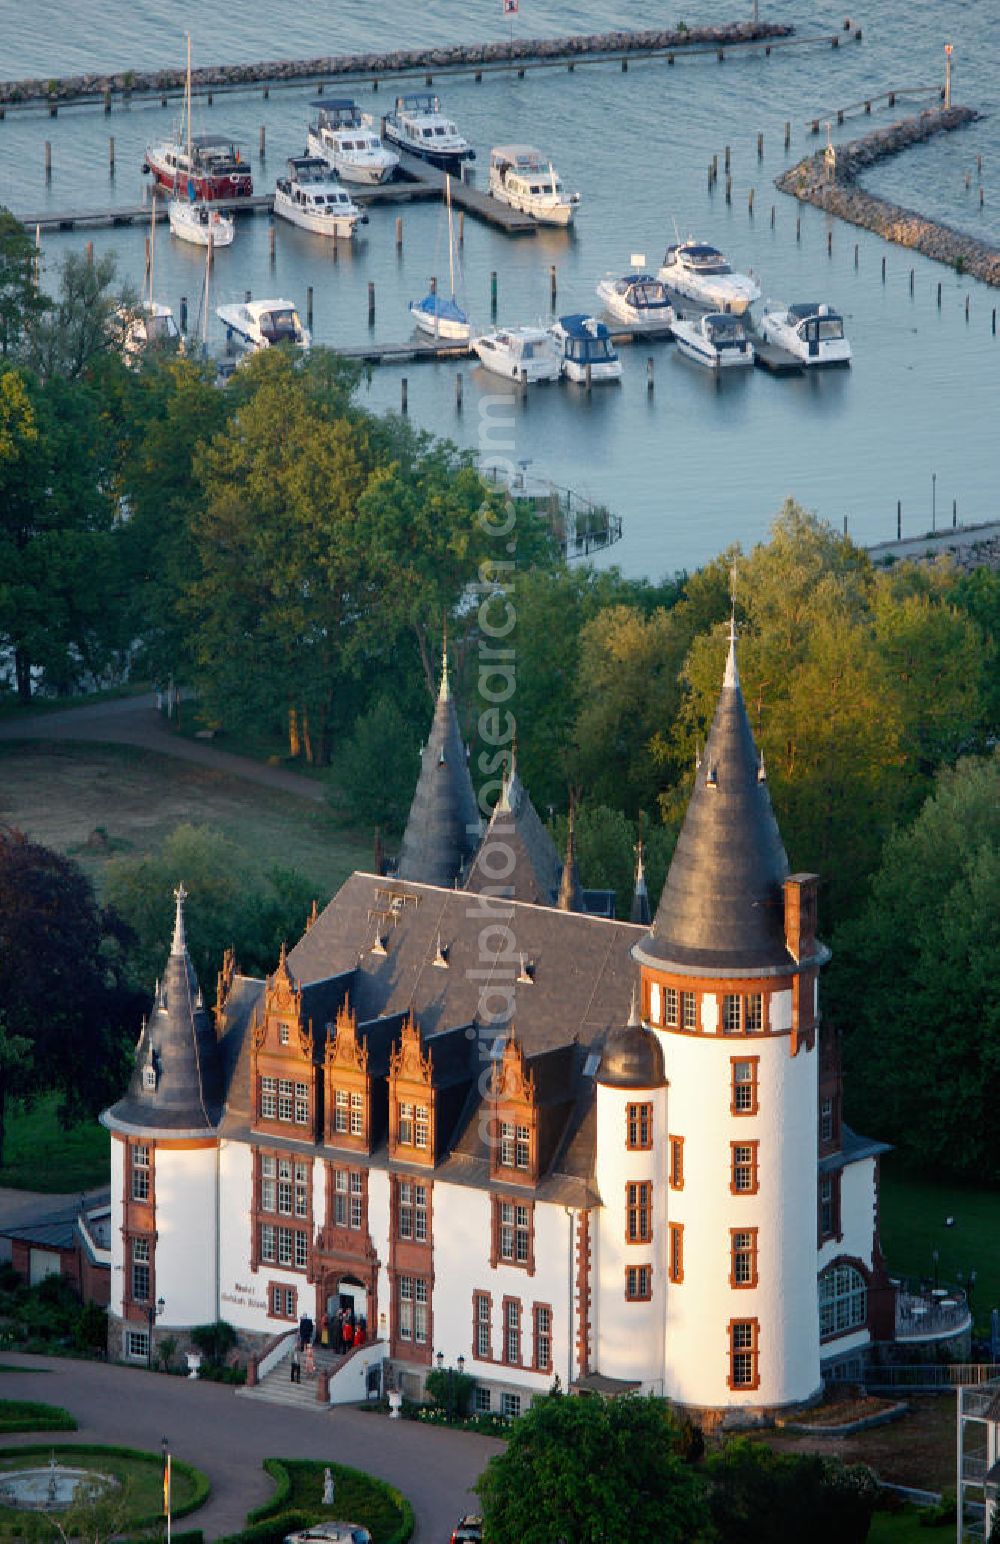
(464,196)
(776,361)
(426,351)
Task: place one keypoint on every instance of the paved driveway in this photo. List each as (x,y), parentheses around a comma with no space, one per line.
(228,1437)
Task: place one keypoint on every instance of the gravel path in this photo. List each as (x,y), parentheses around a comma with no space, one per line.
(228,1437)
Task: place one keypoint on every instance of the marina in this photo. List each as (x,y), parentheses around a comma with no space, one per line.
(641,446)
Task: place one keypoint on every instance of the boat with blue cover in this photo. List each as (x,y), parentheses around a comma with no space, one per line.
(588,353)
(716,339)
(441,317)
(640,299)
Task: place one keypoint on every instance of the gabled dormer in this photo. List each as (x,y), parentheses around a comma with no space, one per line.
(284,1077)
(411,1099)
(347,1085)
(513,1126)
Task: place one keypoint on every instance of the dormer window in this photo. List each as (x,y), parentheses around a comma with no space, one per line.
(149,1077)
(515,1146)
(284,1035)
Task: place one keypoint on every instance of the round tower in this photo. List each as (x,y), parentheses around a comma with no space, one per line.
(164,1156)
(630,1282)
(729,986)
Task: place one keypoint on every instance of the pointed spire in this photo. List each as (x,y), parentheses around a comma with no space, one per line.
(731,679)
(179,945)
(508,799)
(444,691)
(444,826)
(633,1015)
(640,897)
(569,882)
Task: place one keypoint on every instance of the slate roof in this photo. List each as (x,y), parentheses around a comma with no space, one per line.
(722,906)
(444,824)
(178,1042)
(633,1057)
(56,1228)
(517,856)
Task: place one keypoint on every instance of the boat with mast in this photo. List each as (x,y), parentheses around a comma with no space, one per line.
(190,219)
(443,318)
(211,162)
(152,324)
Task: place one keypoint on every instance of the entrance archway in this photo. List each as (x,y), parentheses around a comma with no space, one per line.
(347,1292)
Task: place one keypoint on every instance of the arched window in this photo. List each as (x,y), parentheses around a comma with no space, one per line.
(843,1300)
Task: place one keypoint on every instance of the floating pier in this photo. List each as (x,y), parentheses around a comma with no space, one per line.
(775,360)
(464,196)
(425,350)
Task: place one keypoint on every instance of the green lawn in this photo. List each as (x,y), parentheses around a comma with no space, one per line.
(913,1226)
(140,1473)
(358,1496)
(39,1155)
(28,1415)
(905,1528)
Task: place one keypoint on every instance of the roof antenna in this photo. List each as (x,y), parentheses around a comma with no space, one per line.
(732,676)
(445,689)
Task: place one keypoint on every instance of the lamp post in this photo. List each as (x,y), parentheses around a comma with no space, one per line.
(153,1312)
(439,1358)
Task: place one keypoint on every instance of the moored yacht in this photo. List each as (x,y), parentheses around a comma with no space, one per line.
(717,339)
(526,354)
(190,220)
(151,325)
(700,273)
(813,332)
(439,316)
(345,138)
(258,324)
(418,126)
(525,179)
(311,196)
(213,167)
(588,353)
(637,298)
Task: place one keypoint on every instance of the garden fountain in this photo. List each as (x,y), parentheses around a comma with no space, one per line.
(51,1488)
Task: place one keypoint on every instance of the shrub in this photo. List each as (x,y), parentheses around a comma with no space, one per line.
(214,1341)
(26,1415)
(758,1496)
(449,1390)
(90,1332)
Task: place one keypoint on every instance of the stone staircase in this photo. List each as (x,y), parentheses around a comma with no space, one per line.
(277,1387)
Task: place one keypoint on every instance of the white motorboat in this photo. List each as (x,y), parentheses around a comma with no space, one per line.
(588,353)
(700,273)
(638,299)
(717,339)
(346,139)
(443,318)
(311,196)
(418,126)
(525,179)
(525,354)
(814,333)
(258,324)
(192,219)
(152,325)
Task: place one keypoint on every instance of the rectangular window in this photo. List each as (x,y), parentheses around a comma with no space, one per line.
(638,1283)
(639,1127)
(286,1102)
(639,1213)
(482,1327)
(406,1307)
(827,1208)
(515,1146)
(405,1125)
(420,1313)
(754,1013)
(412,1302)
(743,1160)
(284,1246)
(421,1120)
(140,1172)
(732,1013)
(268,1182)
(510,1405)
(301,1104)
(137,1345)
(340,1184)
(268,1098)
(267,1245)
(357,1199)
(826,1121)
(670,1005)
(689,1010)
(357,1115)
(341,1111)
(301,1251)
(413,1211)
(743,1099)
(512,1331)
(655,1001)
(743,1257)
(140,1270)
(743,1354)
(283,1302)
(515,1233)
(543,1338)
(676,1176)
(283,1035)
(676,1246)
(481,1399)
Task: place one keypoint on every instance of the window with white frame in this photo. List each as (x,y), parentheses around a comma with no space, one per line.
(670,1005)
(269,1098)
(413,1211)
(515,1232)
(484,1328)
(283,1034)
(754,1012)
(412,1300)
(843,1300)
(481,1399)
(543,1337)
(689,1010)
(732,1013)
(140,1172)
(302,1104)
(140,1270)
(515,1146)
(283,1302)
(512,1332)
(357,1115)
(341,1110)
(286,1099)
(137,1345)
(510,1405)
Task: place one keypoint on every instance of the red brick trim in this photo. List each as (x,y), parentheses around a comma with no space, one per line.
(496,1257)
(583,1294)
(538,1366)
(676,1175)
(675,1252)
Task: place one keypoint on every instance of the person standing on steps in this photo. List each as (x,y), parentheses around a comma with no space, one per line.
(295,1369)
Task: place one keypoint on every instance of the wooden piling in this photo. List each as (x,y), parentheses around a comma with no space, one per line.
(184,313)
(760,147)
(493,295)
(715,168)
(371,302)
(855,254)
(434,284)
(966,308)
(270,242)
(994,321)
(911,281)
(954,512)
(727,159)
(729,189)
(399,233)
(589,376)
(210,99)
(458,392)
(89,249)
(267,93)
(883,270)
(552,285)
(939,294)
(979,165)
(899,520)
(309,307)
(403,388)
(788,133)
(980,195)
(649,373)
(798,227)
(48,161)
(148,254)
(772,217)
(829,243)
(461,227)
(107,100)
(263,142)
(750,203)
(111,155)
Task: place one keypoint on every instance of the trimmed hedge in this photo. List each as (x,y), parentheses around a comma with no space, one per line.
(271,1530)
(270,1522)
(28,1415)
(201,1485)
(282,1491)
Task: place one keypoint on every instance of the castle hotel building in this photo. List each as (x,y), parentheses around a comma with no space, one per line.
(637,1177)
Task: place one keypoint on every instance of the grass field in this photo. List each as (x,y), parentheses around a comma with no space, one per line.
(41,1156)
(140,1474)
(913,1226)
(96,802)
(905,1528)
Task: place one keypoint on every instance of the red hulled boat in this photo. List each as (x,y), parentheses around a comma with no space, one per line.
(215,167)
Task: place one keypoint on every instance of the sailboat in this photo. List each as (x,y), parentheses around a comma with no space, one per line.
(190,220)
(443,318)
(153,323)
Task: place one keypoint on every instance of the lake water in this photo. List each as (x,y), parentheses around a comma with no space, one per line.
(698,463)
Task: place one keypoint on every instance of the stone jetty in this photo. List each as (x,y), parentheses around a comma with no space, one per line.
(830,181)
(70,88)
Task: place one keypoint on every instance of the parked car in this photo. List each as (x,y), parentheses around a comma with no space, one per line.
(468,1531)
(331,1533)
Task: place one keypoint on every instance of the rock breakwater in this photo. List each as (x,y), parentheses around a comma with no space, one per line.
(70,88)
(831,183)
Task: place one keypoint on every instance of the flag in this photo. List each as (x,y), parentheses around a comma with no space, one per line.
(510,7)
(166,1485)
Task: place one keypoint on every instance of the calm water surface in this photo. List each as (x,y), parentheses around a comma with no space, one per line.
(699,463)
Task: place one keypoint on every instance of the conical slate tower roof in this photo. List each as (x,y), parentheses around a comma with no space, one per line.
(722,906)
(443,827)
(632,1057)
(176,1085)
(525,855)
